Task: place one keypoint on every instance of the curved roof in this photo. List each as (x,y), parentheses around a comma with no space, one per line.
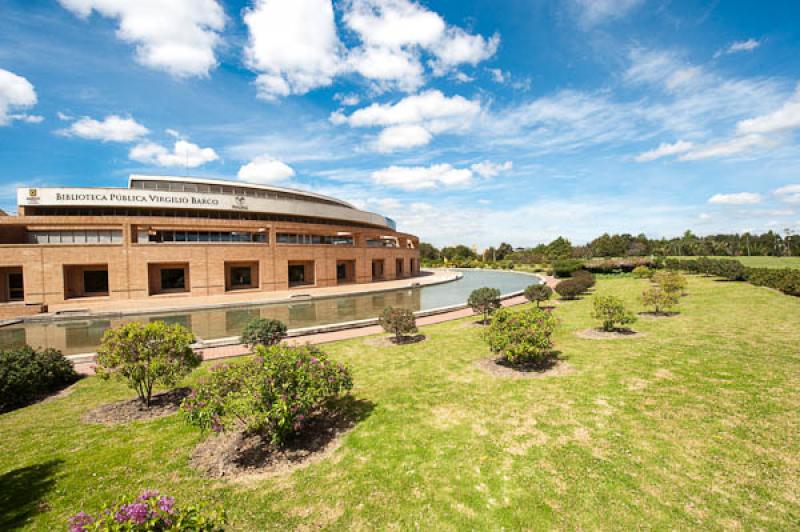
(237,184)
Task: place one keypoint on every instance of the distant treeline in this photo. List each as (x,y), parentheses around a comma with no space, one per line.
(625,245)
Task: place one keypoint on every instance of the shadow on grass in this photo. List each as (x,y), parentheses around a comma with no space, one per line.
(540,366)
(404,340)
(22,493)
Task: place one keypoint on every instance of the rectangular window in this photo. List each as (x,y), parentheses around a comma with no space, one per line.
(16,290)
(241,276)
(95,282)
(173,279)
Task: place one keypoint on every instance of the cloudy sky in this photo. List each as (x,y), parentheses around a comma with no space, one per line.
(467,121)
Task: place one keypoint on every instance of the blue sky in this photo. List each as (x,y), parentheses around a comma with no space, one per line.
(468,121)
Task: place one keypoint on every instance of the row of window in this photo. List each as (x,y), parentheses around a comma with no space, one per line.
(204,188)
(203,236)
(75,237)
(186,213)
(291,238)
(382,243)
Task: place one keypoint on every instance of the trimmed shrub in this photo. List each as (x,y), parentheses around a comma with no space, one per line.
(659,299)
(565,268)
(147,355)
(585,278)
(150,511)
(484,301)
(619,265)
(273,394)
(263,331)
(643,272)
(522,337)
(570,288)
(398,321)
(786,280)
(611,312)
(538,293)
(27,374)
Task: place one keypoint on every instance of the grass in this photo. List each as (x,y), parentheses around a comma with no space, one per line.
(695,424)
(762,262)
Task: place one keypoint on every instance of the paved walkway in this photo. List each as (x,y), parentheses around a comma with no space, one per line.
(228,351)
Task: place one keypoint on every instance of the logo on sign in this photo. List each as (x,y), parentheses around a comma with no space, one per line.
(239,202)
(33,195)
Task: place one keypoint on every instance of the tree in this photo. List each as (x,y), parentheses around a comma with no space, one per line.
(504,250)
(484,301)
(611,312)
(560,248)
(147,355)
(538,293)
(670,281)
(428,252)
(398,321)
(263,331)
(659,299)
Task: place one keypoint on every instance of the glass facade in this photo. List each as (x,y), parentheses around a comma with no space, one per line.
(313,240)
(181,237)
(75,237)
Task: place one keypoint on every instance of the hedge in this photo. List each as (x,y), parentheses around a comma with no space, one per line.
(787,280)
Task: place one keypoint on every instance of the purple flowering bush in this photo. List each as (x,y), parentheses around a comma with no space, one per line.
(150,511)
(274,394)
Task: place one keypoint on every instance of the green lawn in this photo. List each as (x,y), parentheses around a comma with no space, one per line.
(762,262)
(695,424)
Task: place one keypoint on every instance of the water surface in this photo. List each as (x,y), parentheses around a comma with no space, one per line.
(83,335)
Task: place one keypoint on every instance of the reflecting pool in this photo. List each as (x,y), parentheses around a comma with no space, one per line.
(83,335)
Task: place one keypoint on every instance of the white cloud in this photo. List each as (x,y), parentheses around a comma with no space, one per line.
(783,119)
(789,194)
(402,137)
(487,169)
(422,177)
(178,36)
(740,198)
(734,146)
(434,176)
(664,68)
(395,33)
(664,150)
(740,46)
(292,45)
(265,170)
(430,112)
(64,117)
(16,93)
(183,153)
(498,76)
(592,12)
(112,128)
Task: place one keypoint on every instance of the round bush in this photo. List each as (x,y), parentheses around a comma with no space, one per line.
(538,293)
(149,511)
(27,374)
(263,331)
(273,394)
(643,272)
(522,337)
(570,288)
(585,278)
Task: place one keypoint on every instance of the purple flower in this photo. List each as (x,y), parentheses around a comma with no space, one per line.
(166,504)
(78,521)
(314,360)
(139,513)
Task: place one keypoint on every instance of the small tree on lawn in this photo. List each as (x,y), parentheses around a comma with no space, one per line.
(522,338)
(570,288)
(659,299)
(398,321)
(538,293)
(611,312)
(484,301)
(147,355)
(263,331)
(643,272)
(670,281)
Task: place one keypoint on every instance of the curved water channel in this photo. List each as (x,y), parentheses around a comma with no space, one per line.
(78,335)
